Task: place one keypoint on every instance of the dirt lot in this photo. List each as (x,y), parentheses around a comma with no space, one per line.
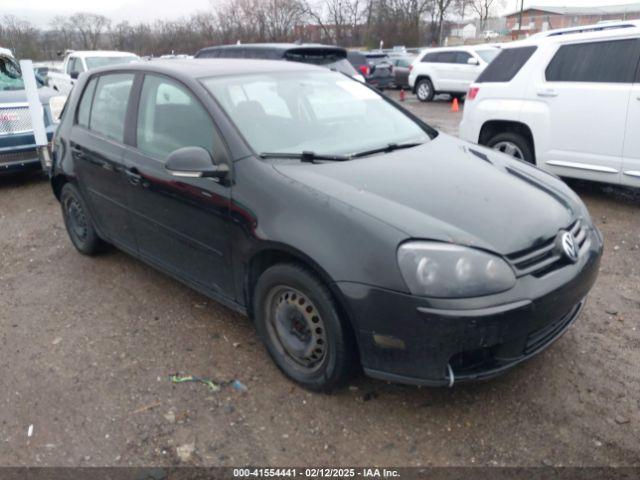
(87,346)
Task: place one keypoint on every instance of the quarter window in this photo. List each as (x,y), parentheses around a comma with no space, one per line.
(602,62)
(84,109)
(506,65)
(110,105)
(170,118)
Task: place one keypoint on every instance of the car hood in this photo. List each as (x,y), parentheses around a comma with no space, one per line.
(449,190)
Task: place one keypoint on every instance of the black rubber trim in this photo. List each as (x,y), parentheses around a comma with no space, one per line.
(478,312)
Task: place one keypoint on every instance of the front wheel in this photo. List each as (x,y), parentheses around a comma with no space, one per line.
(298,321)
(514,145)
(424,90)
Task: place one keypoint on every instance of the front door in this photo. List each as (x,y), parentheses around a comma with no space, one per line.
(587,92)
(97,146)
(180,223)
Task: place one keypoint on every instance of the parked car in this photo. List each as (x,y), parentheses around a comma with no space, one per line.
(448,70)
(333,58)
(401,69)
(350,231)
(17,144)
(77,62)
(380,70)
(359,61)
(567,103)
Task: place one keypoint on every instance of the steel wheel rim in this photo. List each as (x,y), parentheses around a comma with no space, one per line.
(510,149)
(77,219)
(424,90)
(296,328)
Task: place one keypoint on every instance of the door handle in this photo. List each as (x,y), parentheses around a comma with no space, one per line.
(77,151)
(133,175)
(547,93)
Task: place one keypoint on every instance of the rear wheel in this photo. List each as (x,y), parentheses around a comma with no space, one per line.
(78,221)
(299,323)
(424,90)
(514,145)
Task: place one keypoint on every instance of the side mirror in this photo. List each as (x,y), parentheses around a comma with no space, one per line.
(473,61)
(74,75)
(194,162)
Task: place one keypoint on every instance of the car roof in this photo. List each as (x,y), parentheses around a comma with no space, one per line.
(212,67)
(585,33)
(282,47)
(596,27)
(101,53)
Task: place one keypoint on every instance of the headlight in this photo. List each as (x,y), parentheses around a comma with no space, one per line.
(56,105)
(434,269)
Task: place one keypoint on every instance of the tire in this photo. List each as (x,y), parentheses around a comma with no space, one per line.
(78,221)
(513,144)
(298,321)
(424,90)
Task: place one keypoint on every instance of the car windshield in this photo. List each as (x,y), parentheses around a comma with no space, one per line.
(97,62)
(324,113)
(488,55)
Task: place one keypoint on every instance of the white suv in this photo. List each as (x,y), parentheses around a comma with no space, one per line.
(448,70)
(568,102)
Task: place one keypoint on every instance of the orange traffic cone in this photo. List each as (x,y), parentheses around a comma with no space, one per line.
(454,105)
(402,94)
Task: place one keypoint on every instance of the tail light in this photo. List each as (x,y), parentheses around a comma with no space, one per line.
(410,68)
(472,93)
(364,70)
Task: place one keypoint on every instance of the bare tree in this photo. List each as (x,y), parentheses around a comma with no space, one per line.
(485,9)
(89,27)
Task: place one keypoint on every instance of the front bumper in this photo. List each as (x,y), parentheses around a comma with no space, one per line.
(409,339)
(19,153)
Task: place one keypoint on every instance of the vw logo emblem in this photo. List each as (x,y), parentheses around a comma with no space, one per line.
(568,245)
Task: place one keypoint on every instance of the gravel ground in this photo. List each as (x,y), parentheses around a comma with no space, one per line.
(87,346)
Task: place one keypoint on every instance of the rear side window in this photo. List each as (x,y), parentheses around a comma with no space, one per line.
(506,65)
(602,62)
(169,118)
(430,57)
(84,109)
(110,105)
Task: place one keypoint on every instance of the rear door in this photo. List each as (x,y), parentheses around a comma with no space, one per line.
(180,223)
(97,147)
(586,89)
(631,152)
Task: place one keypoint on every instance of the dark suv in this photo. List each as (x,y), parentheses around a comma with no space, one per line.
(352,233)
(334,58)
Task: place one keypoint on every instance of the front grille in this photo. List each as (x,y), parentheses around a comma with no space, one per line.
(22,156)
(545,258)
(15,119)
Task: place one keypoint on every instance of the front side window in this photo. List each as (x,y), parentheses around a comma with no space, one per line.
(488,55)
(324,113)
(602,62)
(110,105)
(170,118)
(462,58)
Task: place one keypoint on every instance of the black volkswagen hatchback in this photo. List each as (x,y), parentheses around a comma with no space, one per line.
(354,235)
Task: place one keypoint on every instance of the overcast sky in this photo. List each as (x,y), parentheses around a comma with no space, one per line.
(40,12)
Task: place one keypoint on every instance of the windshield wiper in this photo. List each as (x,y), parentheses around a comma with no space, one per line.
(305,156)
(389,148)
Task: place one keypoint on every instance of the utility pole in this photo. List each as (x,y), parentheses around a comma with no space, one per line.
(520,19)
